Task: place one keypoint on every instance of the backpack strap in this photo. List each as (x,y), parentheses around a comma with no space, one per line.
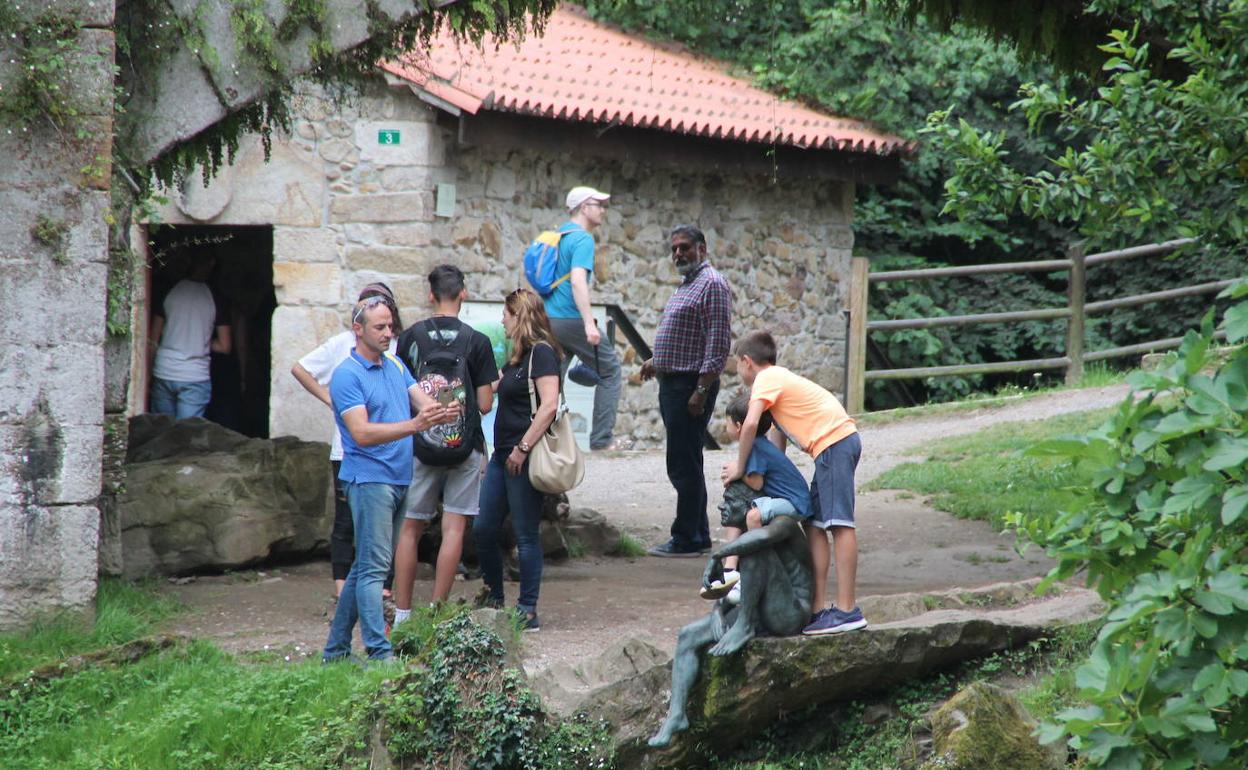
(561,232)
(395,361)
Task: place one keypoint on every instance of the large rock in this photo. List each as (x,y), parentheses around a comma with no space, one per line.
(200,497)
(984,727)
(739,697)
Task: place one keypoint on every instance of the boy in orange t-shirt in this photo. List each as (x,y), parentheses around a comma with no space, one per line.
(814,419)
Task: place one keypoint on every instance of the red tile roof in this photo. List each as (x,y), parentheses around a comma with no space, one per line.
(581,70)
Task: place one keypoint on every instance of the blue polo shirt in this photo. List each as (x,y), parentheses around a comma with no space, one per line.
(576,249)
(381,389)
(781,478)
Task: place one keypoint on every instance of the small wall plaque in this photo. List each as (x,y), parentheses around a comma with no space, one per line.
(445,204)
(388,136)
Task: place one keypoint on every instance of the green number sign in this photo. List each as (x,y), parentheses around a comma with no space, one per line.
(387,136)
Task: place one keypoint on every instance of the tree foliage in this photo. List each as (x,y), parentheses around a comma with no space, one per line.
(1161,534)
(1147,157)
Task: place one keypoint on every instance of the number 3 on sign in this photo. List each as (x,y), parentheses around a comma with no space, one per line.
(387,136)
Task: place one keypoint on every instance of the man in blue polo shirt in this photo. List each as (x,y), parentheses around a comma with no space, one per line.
(374,396)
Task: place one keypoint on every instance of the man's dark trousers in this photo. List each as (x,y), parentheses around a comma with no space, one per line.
(684,456)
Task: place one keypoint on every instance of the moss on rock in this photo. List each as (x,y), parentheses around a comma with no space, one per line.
(984,727)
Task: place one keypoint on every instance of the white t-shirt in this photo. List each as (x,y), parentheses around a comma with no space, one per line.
(190,318)
(321,364)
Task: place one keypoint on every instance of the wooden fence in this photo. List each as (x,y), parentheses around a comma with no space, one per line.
(1075,313)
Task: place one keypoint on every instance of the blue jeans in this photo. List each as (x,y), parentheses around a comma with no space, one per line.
(377,513)
(684,456)
(502,494)
(180,399)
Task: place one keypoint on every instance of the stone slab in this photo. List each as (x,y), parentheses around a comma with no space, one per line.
(168,106)
(50,464)
(67,379)
(296,332)
(388,260)
(307,283)
(305,244)
(33,293)
(386,207)
(288,189)
(47,561)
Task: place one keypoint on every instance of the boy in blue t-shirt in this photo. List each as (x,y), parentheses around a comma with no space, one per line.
(783,491)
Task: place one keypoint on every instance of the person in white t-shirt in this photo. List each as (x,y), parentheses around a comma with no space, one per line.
(313,372)
(187,327)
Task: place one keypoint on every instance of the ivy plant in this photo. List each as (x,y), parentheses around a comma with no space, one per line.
(1161,534)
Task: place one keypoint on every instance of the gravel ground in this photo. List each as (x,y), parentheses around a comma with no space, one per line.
(586,603)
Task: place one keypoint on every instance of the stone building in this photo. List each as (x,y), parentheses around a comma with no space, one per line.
(463,155)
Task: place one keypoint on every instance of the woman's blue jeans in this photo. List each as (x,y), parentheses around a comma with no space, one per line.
(502,494)
(377,512)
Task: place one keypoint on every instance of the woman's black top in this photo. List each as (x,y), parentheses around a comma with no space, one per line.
(513,418)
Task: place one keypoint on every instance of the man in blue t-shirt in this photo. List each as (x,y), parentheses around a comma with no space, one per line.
(571,316)
(374,396)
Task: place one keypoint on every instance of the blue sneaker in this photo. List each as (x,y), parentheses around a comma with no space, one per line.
(834,621)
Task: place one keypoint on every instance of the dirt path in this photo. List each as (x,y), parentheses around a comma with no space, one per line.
(905,546)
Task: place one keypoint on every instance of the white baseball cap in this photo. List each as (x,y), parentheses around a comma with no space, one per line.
(578,195)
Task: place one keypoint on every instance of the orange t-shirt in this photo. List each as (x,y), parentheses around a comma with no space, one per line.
(809,415)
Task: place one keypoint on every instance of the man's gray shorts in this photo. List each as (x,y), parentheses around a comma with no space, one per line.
(457,486)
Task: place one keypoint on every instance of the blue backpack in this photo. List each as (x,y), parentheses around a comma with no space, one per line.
(541,263)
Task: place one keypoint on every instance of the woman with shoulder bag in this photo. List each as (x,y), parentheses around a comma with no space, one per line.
(506,487)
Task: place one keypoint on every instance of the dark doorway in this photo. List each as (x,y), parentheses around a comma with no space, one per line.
(242,284)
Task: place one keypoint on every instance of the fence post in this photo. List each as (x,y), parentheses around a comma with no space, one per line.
(1074,325)
(857,342)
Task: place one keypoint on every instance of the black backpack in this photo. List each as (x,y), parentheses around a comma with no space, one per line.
(437,364)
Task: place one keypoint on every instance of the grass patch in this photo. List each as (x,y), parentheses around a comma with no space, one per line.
(124,612)
(187,708)
(194,707)
(1095,375)
(985,475)
(629,547)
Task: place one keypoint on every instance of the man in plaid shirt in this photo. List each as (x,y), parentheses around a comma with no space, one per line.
(689,353)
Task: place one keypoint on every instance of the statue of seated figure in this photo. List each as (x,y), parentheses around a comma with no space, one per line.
(774,563)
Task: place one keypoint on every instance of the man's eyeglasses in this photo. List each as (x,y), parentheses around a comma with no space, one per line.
(680,248)
(368,304)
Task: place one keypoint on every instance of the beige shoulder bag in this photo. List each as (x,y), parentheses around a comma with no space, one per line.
(556,463)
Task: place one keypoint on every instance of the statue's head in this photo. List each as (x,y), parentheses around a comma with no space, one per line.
(738,499)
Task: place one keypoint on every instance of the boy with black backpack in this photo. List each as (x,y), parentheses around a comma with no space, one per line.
(450,361)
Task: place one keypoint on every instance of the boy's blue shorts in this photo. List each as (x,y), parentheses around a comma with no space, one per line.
(832,488)
(771,507)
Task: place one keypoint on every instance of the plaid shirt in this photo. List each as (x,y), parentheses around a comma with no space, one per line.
(696,328)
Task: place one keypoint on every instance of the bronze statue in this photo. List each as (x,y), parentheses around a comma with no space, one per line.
(774,562)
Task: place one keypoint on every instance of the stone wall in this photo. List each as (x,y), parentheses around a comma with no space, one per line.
(53,277)
(347,210)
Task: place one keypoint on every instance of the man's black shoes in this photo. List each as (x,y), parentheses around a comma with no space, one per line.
(673,550)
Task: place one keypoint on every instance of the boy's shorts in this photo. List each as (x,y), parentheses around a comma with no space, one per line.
(458,486)
(832,488)
(771,507)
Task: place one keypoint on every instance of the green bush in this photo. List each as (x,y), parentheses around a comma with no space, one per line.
(1161,533)
(465,705)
